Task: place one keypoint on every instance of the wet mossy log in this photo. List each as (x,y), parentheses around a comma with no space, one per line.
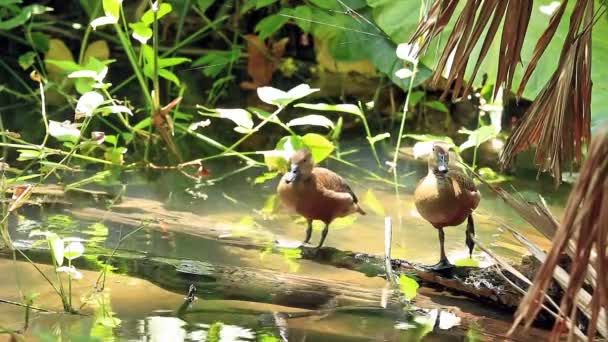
(482,284)
(214,281)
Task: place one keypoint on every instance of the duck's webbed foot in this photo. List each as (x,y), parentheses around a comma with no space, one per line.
(443,264)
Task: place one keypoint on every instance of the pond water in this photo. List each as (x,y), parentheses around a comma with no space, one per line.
(148,312)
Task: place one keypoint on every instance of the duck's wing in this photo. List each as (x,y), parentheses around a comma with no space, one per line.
(464,181)
(330,182)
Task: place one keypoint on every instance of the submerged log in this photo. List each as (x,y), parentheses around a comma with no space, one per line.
(214,281)
(482,284)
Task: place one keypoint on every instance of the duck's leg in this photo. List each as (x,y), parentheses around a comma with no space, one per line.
(308,232)
(443,263)
(469,235)
(323,235)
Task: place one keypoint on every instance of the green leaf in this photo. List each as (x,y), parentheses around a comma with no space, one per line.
(319,146)
(478,136)
(168,75)
(67,66)
(263,3)
(379,137)
(371,201)
(263,178)
(345,108)
(216,62)
(468,262)
(27,59)
(23,16)
(311,120)
(40,42)
(56,246)
(415,97)
(164,9)
(167,62)
(203,5)
(28,155)
(437,105)
(303,15)
(270,25)
(112,8)
(280,98)
(408,286)
(141,32)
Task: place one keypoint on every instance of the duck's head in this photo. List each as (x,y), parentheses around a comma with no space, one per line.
(301,165)
(439,158)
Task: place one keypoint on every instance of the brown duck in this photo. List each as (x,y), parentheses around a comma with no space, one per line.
(446,197)
(316,193)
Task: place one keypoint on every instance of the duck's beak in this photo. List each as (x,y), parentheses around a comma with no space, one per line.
(292,174)
(442,163)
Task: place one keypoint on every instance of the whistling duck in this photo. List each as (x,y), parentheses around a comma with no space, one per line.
(446,197)
(316,193)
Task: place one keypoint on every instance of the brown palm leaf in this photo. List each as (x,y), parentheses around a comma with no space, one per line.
(585,229)
(467,32)
(558,122)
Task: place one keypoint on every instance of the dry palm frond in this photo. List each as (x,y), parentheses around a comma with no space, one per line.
(585,224)
(467,32)
(558,122)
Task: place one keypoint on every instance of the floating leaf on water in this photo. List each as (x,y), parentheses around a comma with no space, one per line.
(371,201)
(467,262)
(408,286)
(312,120)
(319,146)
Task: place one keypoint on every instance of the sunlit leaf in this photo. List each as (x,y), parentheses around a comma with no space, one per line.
(56,245)
(141,32)
(64,131)
(73,250)
(199,124)
(101,21)
(164,9)
(408,286)
(280,98)
(115,109)
(239,116)
(319,146)
(111,8)
(478,136)
(371,201)
(263,178)
(345,108)
(167,62)
(28,154)
(404,73)
(87,103)
(408,52)
(468,262)
(379,137)
(312,120)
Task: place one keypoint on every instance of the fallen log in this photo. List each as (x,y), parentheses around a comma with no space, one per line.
(482,284)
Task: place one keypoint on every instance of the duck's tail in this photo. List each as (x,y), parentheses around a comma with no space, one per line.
(360,210)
